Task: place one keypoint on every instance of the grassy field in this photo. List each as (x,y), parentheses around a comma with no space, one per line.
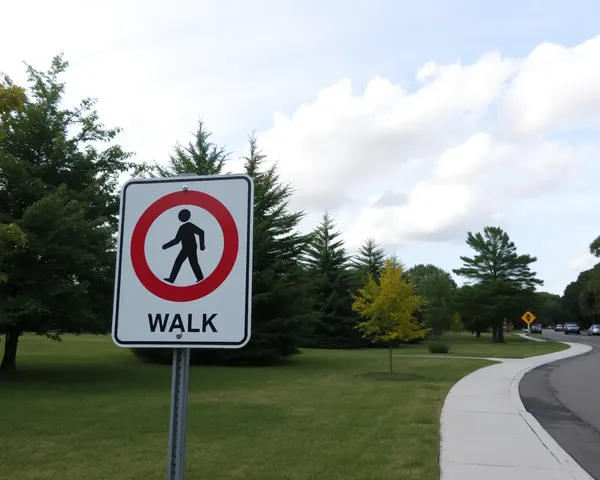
(468,345)
(85,409)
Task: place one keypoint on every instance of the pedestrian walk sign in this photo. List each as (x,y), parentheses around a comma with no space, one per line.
(184,262)
(528,318)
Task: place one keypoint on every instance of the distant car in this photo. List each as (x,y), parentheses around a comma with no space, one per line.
(558,328)
(571,328)
(594,330)
(537,328)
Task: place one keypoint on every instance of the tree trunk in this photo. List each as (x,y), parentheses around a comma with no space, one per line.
(391,373)
(498,333)
(501,333)
(478,333)
(9,360)
(494,333)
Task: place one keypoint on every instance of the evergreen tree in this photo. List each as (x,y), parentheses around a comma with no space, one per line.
(369,260)
(506,280)
(281,303)
(58,209)
(200,156)
(282,311)
(331,280)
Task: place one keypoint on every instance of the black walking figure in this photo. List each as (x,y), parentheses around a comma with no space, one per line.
(186,235)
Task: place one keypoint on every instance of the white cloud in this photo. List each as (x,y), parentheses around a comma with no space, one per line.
(469,144)
(583,261)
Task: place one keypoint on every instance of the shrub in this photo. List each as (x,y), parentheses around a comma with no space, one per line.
(438,347)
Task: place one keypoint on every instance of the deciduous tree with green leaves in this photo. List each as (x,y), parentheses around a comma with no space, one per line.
(437,288)
(331,280)
(59,173)
(387,307)
(504,277)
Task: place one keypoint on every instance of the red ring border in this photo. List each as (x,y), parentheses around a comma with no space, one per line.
(226,263)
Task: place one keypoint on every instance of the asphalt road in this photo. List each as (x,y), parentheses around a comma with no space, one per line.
(564,397)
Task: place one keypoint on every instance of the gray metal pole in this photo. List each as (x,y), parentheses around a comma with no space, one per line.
(179,401)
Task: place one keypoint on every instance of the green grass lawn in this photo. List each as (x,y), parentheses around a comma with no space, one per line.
(85,409)
(468,345)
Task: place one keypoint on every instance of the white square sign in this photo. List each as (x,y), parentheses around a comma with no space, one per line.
(184,262)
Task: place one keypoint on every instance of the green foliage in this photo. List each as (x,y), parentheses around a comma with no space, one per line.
(438,347)
(456,325)
(502,282)
(12,99)
(331,280)
(437,288)
(58,208)
(282,312)
(200,156)
(369,260)
(595,247)
(388,308)
(548,308)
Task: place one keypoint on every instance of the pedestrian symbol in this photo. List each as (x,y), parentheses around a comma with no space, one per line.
(528,317)
(186,236)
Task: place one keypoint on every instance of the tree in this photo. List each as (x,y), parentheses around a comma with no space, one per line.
(506,277)
(327,265)
(58,209)
(388,308)
(589,296)
(437,288)
(549,309)
(456,324)
(282,311)
(12,99)
(281,301)
(369,260)
(200,156)
(595,247)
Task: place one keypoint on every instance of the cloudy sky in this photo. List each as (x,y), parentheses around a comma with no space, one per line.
(411,122)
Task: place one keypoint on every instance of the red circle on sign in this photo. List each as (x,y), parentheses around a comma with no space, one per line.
(209,284)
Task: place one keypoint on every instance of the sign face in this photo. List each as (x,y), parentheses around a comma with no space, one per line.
(184,262)
(528,318)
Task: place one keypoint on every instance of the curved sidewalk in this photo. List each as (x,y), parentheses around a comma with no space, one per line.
(486,433)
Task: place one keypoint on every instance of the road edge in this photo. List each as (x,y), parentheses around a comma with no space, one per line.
(551,445)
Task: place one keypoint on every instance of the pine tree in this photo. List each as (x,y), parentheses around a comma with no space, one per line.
(504,278)
(200,156)
(281,302)
(327,265)
(58,207)
(369,260)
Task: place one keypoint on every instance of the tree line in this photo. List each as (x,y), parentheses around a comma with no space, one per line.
(60,169)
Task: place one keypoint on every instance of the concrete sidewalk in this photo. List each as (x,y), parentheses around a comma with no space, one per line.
(486,433)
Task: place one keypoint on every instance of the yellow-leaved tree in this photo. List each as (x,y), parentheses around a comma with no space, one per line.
(388,308)
(457,325)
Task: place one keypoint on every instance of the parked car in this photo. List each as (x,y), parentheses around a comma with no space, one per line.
(571,328)
(594,330)
(558,328)
(536,328)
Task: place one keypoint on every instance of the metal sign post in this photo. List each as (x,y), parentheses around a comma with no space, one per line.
(178,418)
